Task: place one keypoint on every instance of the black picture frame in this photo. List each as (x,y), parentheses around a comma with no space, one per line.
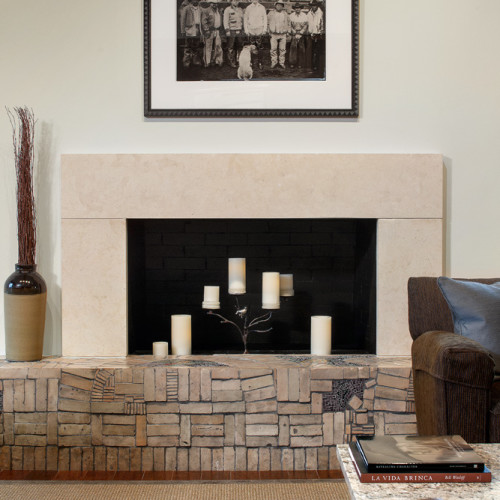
(334,96)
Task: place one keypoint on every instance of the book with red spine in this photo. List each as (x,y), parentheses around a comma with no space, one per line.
(398,476)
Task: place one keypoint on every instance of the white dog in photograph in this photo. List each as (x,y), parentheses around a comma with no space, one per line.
(245,71)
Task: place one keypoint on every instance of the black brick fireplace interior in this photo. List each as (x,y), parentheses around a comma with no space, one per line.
(333,262)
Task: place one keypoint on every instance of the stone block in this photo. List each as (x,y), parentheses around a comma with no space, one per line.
(185,430)
(171,459)
(264,459)
(284,430)
(305,441)
(207,419)
(219,396)
(34,417)
(73,406)
(261,430)
(75,441)
(159,459)
(107,407)
(321,385)
(112,419)
(239,429)
(123,459)
(207,441)
(52,394)
(205,459)
(163,441)
(229,458)
(163,430)
(260,394)
(67,392)
(304,385)
(52,428)
(254,372)
(73,418)
(306,430)
(141,431)
(293,408)
(206,385)
(160,384)
(129,389)
(276,459)
(251,384)
(299,459)
(217,459)
(197,408)
(73,429)
(287,459)
(261,418)
(162,408)
(389,405)
(8,396)
(224,373)
(41,394)
(351,372)
(207,430)
(282,384)
(230,407)
(229,431)
(71,380)
(323,458)
(96,427)
(355,403)
(182,459)
(149,385)
(293,384)
(252,459)
(240,458)
(312,458)
(226,385)
(400,428)
(305,419)
(163,418)
(118,430)
(35,429)
(338,427)
(316,402)
(195,459)
(266,406)
(194,384)
(388,393)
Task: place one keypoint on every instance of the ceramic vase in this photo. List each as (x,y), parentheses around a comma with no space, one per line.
(25,299)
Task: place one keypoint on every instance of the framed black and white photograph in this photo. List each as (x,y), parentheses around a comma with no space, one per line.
(251,58)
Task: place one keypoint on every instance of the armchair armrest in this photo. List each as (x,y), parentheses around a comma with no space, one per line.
(453,358)
(452,377)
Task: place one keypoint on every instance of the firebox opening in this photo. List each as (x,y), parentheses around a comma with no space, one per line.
(333,262)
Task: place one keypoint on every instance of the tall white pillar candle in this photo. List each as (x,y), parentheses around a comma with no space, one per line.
(270,290)
(211,297)
(160,349)
(237,276)
(181,334)
(321,335)
(286,285)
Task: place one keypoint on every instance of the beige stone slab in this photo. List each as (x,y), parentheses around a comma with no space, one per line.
(189,185)
(401,241)
(94,301)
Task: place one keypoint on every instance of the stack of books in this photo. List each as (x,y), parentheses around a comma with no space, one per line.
(417,459)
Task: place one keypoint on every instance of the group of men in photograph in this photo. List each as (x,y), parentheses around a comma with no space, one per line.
(208,29)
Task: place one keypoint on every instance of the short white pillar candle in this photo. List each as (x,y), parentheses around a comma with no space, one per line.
(160,349)
(237,276)
(211,297)
(181,334)
(286,285)
(270,290)
(321,335)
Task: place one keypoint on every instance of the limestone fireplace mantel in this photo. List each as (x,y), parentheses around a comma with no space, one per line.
(99,193)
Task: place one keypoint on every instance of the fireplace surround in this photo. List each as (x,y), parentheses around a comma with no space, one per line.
(404,193)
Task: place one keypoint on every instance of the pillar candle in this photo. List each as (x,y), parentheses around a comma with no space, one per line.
(237,276)
(160,349)
(321,335)
(270,290)
(286,285)
(211,297)
(181,334)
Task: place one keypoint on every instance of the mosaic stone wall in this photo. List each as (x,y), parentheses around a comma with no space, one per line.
(193,413)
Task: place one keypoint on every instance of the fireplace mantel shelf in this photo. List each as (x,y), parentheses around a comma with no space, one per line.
(336,362)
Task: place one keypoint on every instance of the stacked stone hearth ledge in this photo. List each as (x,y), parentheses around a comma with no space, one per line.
(193,413)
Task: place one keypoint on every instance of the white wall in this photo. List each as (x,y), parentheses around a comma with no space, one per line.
(430,83)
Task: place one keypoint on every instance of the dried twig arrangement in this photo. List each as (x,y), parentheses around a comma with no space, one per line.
(23,134)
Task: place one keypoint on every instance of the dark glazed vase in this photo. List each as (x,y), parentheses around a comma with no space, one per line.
(25,299)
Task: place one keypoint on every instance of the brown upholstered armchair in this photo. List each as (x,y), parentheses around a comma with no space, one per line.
(456,391)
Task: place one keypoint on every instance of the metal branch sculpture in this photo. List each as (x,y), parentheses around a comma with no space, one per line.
(246,324)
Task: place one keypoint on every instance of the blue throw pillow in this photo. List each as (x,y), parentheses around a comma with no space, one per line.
(475,308)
